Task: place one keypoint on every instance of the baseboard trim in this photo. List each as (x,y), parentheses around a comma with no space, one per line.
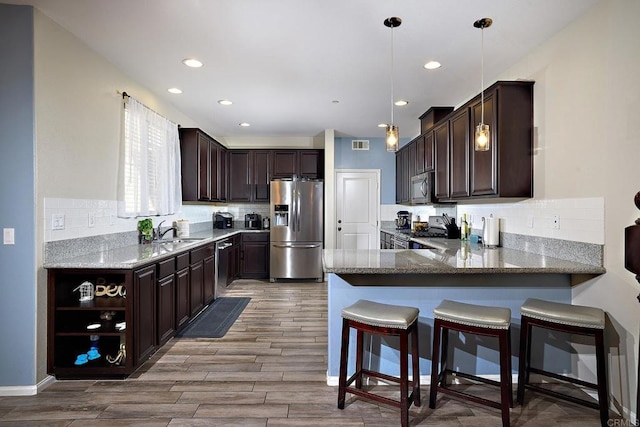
(27,390)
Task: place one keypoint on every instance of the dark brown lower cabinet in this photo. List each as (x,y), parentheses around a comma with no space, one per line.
(196,279)
(166,300)
(255,256)
(209,274)
(235,259)
(144,314)
(183,287)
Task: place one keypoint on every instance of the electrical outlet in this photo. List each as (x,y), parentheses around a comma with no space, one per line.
(92,219)
(57,222)
(556,222)
(530,221)
(112,219)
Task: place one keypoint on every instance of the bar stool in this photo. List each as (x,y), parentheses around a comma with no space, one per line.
(573,319)
(478,320)
(381,319)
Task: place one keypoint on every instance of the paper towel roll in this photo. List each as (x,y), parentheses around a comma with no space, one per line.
(182,227)
(491,231)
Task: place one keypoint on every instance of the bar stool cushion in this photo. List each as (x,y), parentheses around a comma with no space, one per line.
(565,314)
(473,315)
(381,315)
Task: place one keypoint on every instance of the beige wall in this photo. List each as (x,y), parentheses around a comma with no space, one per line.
(587,110)
(77,111)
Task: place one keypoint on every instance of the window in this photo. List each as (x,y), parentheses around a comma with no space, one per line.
(149,164)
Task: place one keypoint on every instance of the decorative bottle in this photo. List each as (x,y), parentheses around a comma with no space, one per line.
(464,228)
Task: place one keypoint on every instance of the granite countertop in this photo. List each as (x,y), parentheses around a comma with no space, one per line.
(135,256)
(449,257)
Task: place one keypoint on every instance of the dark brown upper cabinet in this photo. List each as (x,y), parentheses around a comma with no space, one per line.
(299,163)
(459,146)
(203,165)
(239,176)
(249,175)
(442,164)
(506,169)
(404,157)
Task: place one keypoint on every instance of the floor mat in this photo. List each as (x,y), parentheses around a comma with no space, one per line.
(216,319)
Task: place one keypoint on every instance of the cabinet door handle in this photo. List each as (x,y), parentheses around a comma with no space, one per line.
(339,228)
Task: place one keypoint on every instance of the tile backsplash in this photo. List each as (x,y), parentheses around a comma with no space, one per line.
(78,218)
(579,220)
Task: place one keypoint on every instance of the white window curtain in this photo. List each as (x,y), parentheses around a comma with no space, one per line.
(149,178)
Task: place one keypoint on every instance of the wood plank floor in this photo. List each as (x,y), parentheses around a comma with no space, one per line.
(269,370)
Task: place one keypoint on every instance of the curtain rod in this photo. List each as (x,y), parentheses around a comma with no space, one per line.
(125,94)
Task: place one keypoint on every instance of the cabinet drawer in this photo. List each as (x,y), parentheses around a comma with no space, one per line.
(182,261)
(255,237)
(197,255)
(166,267)
(209,251)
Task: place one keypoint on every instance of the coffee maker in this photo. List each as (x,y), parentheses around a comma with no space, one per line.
(403,222)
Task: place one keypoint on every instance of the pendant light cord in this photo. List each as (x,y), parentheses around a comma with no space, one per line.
(482,78)
(392,74)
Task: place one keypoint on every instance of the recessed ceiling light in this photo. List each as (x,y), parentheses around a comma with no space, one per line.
(432,65)
(174,90)
(192,62)
(401,103)
(224,102)
(245,124)
(382,125)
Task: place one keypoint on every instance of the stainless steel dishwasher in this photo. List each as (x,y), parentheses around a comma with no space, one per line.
(223,248)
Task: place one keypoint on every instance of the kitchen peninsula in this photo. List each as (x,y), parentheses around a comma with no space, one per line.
(455,270)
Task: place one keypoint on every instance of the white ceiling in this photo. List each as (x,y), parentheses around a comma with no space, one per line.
(283,62)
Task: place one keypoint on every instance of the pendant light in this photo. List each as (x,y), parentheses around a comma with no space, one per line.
(483,134)
(393,137)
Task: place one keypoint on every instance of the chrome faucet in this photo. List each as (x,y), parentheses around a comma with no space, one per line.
(160,234)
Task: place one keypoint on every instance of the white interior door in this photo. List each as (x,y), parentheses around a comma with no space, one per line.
(357,209)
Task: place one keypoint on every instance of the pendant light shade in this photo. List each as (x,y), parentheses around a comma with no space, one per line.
(482,140)
(393,136)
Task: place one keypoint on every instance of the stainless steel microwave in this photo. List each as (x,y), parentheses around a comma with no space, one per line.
(422,189)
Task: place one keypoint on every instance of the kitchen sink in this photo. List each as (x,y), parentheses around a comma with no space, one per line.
(181,240)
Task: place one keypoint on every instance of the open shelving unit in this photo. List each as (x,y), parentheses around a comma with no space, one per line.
(70,323)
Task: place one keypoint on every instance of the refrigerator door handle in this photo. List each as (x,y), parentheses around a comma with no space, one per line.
(293,245)
(298,210)
(294,205)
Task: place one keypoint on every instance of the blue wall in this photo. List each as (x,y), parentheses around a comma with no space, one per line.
(376,157)
(17,197)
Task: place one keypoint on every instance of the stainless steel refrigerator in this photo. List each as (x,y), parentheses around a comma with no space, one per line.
(296,229)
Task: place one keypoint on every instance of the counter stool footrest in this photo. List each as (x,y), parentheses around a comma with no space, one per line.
(378,398)
(594,405)
(472,377)
(563,378)
(470,397)
(382,376)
